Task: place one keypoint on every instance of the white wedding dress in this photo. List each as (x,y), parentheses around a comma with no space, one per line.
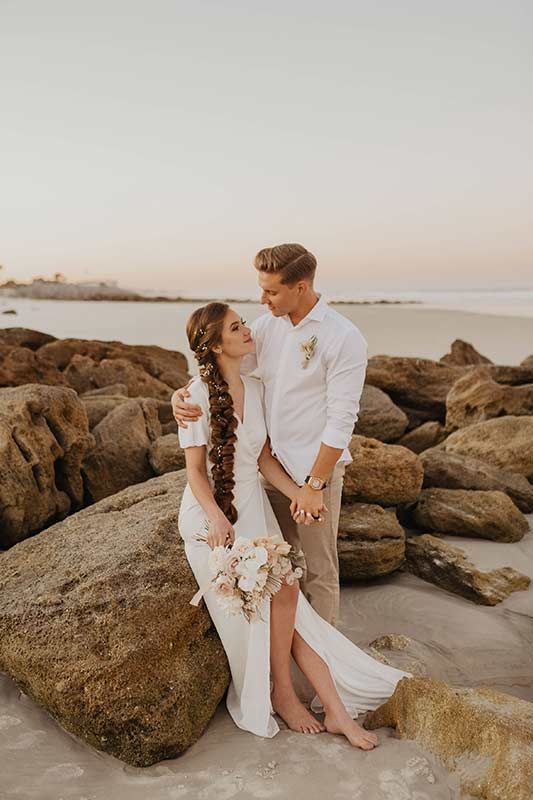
(362,682)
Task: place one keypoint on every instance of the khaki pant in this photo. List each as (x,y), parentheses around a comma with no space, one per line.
(318,541)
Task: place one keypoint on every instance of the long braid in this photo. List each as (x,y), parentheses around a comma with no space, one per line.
(203,330)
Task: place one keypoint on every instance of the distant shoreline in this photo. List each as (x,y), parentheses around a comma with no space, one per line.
(57,290)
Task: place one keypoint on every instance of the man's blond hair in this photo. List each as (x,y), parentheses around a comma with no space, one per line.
(292,262)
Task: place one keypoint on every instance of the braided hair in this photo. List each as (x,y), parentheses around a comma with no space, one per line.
(204,330)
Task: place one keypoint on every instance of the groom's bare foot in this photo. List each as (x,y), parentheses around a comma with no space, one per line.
(294,713)
(357,736)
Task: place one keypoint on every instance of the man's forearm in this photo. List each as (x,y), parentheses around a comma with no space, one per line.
(325,461)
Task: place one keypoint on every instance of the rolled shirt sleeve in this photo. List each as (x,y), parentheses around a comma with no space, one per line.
(346,369)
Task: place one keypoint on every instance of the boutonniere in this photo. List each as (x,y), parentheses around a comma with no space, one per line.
(308,348)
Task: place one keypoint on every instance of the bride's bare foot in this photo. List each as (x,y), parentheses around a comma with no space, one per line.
(294,713)
(357,736)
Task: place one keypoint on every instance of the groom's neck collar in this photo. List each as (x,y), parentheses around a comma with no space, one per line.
(317,313)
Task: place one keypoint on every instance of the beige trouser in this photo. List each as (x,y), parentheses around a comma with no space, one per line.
(318,541)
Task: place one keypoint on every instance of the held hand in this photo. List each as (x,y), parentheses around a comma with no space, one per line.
(220,532)
(307,506)
(184,412)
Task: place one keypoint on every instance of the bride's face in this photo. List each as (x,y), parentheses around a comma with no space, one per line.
(236,338)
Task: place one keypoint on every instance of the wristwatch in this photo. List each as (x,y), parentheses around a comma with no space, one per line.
(315,483)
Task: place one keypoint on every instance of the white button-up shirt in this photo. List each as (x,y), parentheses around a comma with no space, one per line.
(319,402)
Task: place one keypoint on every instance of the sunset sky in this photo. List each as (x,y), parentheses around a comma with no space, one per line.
(162,143)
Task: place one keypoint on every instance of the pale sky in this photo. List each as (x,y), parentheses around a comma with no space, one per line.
(162,143)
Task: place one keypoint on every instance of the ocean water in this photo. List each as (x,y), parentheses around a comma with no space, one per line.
(499,324)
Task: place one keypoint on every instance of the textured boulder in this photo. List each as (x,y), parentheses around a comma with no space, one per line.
(96,626)
(84,374)
(506,443)
(379,418)
(24,337)
(446,566)
(462,353)
(167,366)
(44,437)
(484,515)
(416,383)
(385,474)
(122,445)
(453,471)
(477,397)
(425,436)
(166,455)
(114,389)
(20,365)
(485,736)
(371,541)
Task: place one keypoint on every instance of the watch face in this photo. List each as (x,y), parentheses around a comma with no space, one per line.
(316,483)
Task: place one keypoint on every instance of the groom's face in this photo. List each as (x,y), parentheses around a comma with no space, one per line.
(280,298)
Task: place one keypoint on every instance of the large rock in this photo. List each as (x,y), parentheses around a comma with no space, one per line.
(438,562)
(419,384)
(84,374)
(123,439)
(425,436)
(20,365)
(506,443)
(484,736)
(379,418)
(166,455)
(44,437)
(477,397)
(96,626)
(527,362)
(24,337)
(167,366)
(462,354)
(385,474)
(453,471)
(484,515)
(371,541)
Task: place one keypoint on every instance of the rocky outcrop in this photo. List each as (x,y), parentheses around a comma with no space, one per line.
(20,365)
(476,397)
(371,541)
(385,474)
(84,374)
(24,337)
(418,384)
(446,566)
(379,418)
(453,471)
(96,626)
(484,515)
(44,437)
(123,440)
(484,736)
(425,436)
(506,443)
(463,354)
(166,455)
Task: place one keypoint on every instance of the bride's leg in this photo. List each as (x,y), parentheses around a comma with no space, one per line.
(337,719)
(284,699)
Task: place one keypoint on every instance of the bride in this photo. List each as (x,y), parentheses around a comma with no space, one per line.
(226,450)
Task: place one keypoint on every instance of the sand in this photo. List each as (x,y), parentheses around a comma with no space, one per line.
(458,642)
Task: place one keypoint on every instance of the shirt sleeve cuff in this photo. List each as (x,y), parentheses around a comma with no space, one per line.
(335,438)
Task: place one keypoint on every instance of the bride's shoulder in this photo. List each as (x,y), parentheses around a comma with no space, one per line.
(198,391)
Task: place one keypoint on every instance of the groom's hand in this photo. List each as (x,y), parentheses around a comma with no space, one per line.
(307,506)
(184,412)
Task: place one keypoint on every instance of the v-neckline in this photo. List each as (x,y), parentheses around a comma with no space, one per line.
(244,412)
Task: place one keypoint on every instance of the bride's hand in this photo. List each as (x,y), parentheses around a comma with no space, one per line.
(220,532)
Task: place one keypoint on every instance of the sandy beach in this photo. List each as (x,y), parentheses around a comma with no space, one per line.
(457,641)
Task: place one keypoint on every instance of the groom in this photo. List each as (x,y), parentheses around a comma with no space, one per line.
(312,361)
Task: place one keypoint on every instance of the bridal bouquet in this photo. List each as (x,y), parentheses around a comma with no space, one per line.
(248,572)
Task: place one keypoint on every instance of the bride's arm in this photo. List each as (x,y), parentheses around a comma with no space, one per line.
(220,529)
(272,470)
